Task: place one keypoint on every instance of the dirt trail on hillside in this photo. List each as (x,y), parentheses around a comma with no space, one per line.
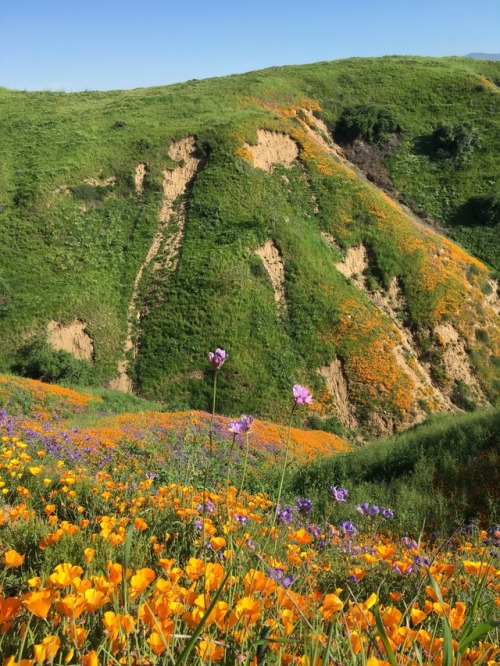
(273,263)
(175,183)
(139,175)
(336,382)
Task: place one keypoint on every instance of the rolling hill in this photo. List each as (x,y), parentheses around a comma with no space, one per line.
(142,228)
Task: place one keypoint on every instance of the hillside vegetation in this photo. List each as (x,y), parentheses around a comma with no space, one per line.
(141,228)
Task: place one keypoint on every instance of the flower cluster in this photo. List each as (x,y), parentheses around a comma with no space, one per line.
(367,509)
(302,395)
(339,494)
(242,425)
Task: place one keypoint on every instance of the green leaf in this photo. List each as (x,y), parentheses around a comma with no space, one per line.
(383,635)
(447,635)
(478,632)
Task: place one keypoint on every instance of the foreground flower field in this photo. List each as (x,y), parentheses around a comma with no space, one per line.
(105,560)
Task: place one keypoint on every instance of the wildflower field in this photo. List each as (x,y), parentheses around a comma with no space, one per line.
(156,538)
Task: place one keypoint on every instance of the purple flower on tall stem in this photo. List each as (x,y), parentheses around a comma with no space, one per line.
(217,358)
(348,527)
(304,504)
(301,395)
(242,425)
(339,494)
(284,514)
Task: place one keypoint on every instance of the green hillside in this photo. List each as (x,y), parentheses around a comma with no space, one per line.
(142,228)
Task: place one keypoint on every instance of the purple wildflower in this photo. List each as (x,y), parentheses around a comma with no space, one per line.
(217,358)
(388,514)
(243,425)
(304,505)
(339,494)
(373,510)
(408,572)
(284,514)
(240,518)
(301,395)
(209,507)
(276,574)
(348,528)
(314,530)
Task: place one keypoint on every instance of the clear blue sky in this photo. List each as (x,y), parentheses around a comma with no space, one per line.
(108,44)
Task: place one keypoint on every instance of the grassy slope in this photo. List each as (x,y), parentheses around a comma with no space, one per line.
(440,473)
(62,261)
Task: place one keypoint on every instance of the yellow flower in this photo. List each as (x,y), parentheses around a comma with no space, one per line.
(88,554)
(140,581)
(47,649)
(64,574)
(331,604)
(208,650)
(39,603)
(249,610)
(301,537)
(417,616)
(457,615)
(157,642)
(194,568)
(90,659)
(72,605)
(13,559)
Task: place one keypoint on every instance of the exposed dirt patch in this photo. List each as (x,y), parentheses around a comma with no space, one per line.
(100,182)
(273,262)
(122,382)
(381,423)
(493,299)
(175,182)
(337,385)
(318,132)
(273,148)
(446,334)
(407,354)
(455,358)
(140,172)
(371,160)
(354,265)
(62,189)
(72,338)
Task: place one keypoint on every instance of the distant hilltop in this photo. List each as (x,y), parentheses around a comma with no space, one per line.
(484,56)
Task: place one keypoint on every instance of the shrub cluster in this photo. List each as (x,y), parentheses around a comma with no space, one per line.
(370,123)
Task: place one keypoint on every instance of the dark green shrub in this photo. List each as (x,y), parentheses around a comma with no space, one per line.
(90,193)
(38,360)
(483,210)
(460,396)
(482,335)
(374,125)
(331,425)
(315,422)
(455,141)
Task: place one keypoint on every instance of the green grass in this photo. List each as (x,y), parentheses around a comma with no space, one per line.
(438,474)
(75,254)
